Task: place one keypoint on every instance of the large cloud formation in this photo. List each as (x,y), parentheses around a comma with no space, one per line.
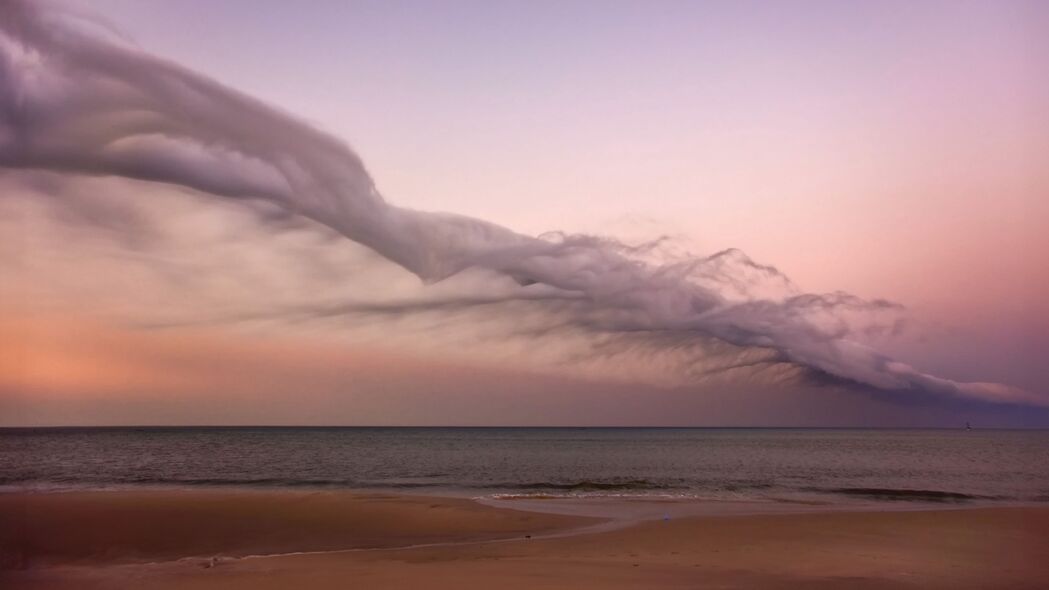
(74,101)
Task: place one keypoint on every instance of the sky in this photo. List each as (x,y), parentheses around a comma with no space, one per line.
(894,151)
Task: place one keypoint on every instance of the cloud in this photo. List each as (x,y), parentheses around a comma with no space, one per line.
(74,101)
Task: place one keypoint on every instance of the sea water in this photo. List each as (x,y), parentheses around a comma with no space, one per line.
(782,465)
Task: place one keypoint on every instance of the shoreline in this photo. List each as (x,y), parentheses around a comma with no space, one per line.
(323,539)
(833,498)
(116,526)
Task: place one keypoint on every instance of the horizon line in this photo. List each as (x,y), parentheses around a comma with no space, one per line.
(464,426)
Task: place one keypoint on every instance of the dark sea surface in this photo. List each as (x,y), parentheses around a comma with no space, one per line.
(956,466)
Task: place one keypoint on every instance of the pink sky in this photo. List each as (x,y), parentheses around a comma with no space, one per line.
(892,151)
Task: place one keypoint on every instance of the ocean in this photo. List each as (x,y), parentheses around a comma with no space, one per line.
(778,465)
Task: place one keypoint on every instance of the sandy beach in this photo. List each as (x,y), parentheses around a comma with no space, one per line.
(305,539)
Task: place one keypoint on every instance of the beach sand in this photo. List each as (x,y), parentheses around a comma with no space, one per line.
(165,539)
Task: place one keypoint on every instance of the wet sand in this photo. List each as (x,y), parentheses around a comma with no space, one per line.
(167,539)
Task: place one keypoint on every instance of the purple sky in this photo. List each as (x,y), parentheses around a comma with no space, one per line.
(890,150)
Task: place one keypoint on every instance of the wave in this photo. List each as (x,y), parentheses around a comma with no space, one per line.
(902,494)
(259,481)
(731,489)
(584,485)
(180,481)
